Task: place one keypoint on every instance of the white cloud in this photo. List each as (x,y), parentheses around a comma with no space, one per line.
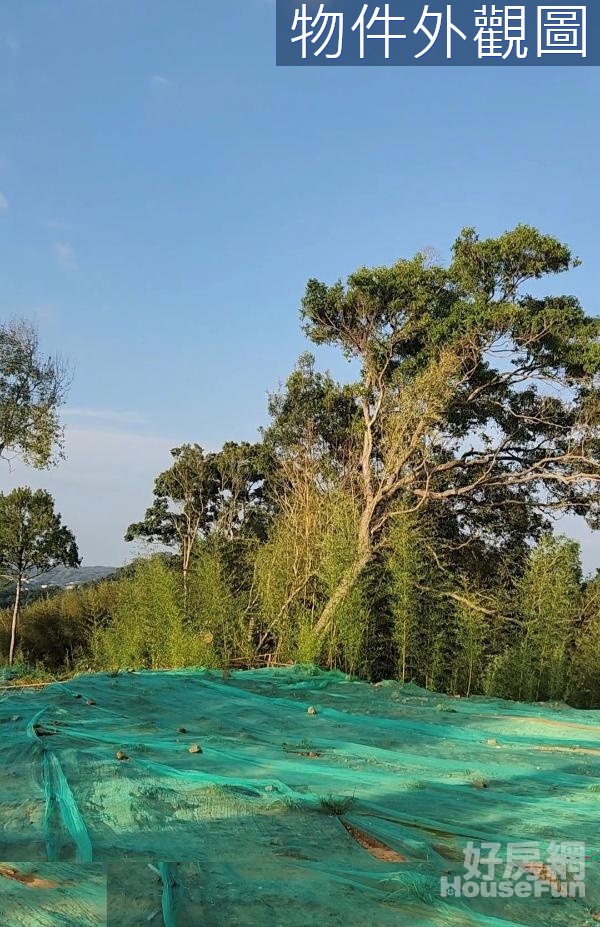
(158,80)
(65,255)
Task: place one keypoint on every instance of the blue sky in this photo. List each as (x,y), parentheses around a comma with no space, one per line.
(166,191)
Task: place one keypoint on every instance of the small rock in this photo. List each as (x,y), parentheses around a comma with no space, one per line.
(90,701)
(311,710)
(491,742)
(42,731)
(121,756)
(78,695)
(16,718)
(195,748)
(182,730)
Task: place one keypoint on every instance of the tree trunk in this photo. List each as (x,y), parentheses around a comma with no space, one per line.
(186,556)
(344,587)
(185,590)
(15,618)
(351,574)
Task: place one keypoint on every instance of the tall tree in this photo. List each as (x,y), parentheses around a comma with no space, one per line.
(183,497)
(32,541)
(199,494)
(474,396)
(32,389)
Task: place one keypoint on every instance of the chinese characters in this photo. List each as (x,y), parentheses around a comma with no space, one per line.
(527,870)
(405,30)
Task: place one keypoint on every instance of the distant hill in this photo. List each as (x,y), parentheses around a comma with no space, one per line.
(64,576)
(54,581)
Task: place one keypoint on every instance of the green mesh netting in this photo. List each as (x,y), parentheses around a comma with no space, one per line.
(346,815)
(40,894)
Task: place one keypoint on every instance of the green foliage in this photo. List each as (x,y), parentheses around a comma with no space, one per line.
(313,409)
(407,567)
(32,541)
(56,630)
(536,666)
(26,674)
(180,512)
(456,414)
(394,526)
(311,543)
(202,493)
(285,578)
(343,645)
(215,615)
(472,630)
(32,537)
(548,648)
(201,497)
(584,670)
(32,389)
(148,625)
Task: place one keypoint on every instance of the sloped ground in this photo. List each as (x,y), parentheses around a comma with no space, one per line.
(347,814)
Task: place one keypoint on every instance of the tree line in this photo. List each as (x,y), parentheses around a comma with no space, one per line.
(400,525)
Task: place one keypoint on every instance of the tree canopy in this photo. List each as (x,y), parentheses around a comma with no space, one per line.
(475,396)
(32,389)
(33,540)
(201,494)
